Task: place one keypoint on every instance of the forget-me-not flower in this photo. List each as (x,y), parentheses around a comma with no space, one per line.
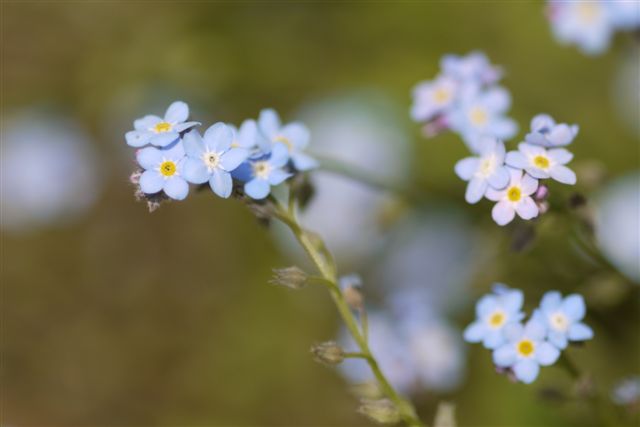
(163,171)
(262,173)
(515,198)
(494,312)
(160,131)
(248,137)
(585,23)
(547,133)
(431,98)
(474,67)
(541,163)
(563,318)
(624,14)
(294,137)
(486,170)
(212,158)
(525,350)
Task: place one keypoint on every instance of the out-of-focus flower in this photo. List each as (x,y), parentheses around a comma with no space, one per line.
(247,136)
(494,313)
(585,23)
(563,318)
(547,133)
(294,137)
(525,350)
(481,114)
(431,98)
(485,170)
(160,131)
(515,198)
(627,392)
(541,163)
(471,68)
(49,172)
(264,172)
(617,226)
(163,171)
(211,158)
(624,14)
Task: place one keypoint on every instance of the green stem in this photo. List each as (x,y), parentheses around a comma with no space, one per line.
(322,259)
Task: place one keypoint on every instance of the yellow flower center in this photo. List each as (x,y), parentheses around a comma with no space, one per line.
(559,321)
(478,116)
(514,194)
(162,127)
(526,347)
(441,95)
(497,319)
(168,168)
(284,140)
(262,169)
(212,160)
(541,161)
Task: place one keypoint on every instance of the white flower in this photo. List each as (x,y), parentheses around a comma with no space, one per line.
(486,170)
(515,198)
(433,97)
(541,163)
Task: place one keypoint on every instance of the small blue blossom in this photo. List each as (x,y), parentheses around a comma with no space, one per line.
(471,68)
(261,173)
(481,113)
(212,158)
(624,14)
(563,318)
(160,131)
(434,97)
(585,23)
(541,163)
(248,137)
(485,170)
(163,171)
(525,350)
(515,198)
(494,313)
(547,133)
(294,137)
(626,392)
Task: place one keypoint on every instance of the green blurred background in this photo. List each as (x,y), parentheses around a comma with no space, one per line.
(121,317)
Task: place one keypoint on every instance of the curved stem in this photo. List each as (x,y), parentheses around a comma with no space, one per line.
(323,261)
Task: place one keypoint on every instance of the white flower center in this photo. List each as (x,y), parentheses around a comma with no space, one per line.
(262,169)
(211,160)
(559,321)
(487,166)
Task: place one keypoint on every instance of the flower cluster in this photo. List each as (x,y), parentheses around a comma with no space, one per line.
(258,155)
(521,348)
(512,179)
(590,24)
(466,99)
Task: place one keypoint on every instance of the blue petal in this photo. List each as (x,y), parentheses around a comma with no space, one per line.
(580,332)
(475,332)
(504,356)
(536,138)
(149,157)
(559,339)
(269,122)
(151,182)
(277,176)
(195,171)
(248,134)
(193,144)
(542,122)
(551,301)
(233,158)
(486,305)
(177,112)
(475,190)
(164,139)
(493,338)
(180,127)
(517,160)
(244,172)
(546,354)
(137,138)
(466,168)
(526,371)
(297,133)
(257,189)
(303,162)
(221,183)
(563,174)
(147,122)
(279,156)
(176,188)
(513,300)
(218,138)
(535,329)
(500,178)
(573,306)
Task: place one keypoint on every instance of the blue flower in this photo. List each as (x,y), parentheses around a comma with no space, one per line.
(163,171)
(494,312)
(431,98)
(159,131)
(481,113)
(563,318)
(515,198)
(471,68)
(547,133)
(294,137)
(525,350)
(541,163)
(485,170)
(212,158)
(261,173)
(248,137)
(624,15)
(586,23)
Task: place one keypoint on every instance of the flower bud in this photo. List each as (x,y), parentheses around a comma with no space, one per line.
(382,411)
(350,286)
(289,277)
(329,353)
(541,193)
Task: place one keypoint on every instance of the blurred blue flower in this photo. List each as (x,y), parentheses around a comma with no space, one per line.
(247,137)
(163,171)
(494,313)
(211,158)
(433,97)
(624,14)
(294,137)
(471,68)
(160,131)
(547,133)
(626,392)
(541,163)
(485,170)
(562,318)
(585,23)
(525,350)
(515,198)
(261,173)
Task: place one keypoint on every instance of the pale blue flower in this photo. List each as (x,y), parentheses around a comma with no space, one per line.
(163,171)
(248,137)
(624,14)
(626,392)
(433,97)
(525,350)
(484,171)
(541,163)
(264,172)
(480,114)
(474,67)
(494,312)
(585,23)
(563,318)
(547,133)
(160,131)
(212,159)
(294,137)
(515,198)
